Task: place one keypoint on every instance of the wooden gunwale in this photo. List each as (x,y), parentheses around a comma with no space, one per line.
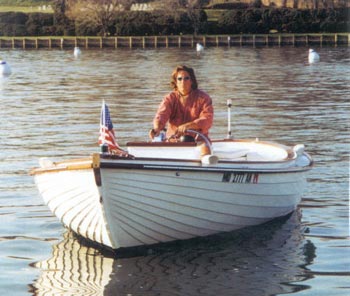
(65,165)
(166,164)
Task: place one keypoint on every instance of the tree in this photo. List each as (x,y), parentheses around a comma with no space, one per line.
(63,25)
(192,8)
(99,14)
(39,24)
(196,14)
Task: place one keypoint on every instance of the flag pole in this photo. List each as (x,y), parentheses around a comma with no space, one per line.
(229,104)
(103,146)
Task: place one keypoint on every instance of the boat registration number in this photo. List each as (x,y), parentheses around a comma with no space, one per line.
(231,177)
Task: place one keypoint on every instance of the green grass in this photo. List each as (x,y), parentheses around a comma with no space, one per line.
(214,14)
(25,9)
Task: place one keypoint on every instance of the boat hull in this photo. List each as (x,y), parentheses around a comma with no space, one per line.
(148,205)
(123,200)
(74,198)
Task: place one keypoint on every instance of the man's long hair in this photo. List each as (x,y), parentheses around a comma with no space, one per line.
(189,71)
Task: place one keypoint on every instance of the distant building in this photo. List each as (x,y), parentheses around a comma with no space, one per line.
(141,7)
(301,4)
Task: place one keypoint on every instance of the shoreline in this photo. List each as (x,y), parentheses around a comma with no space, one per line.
(276,39)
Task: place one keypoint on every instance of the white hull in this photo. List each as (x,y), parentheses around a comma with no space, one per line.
(124,202)
(72,195)
(141,211)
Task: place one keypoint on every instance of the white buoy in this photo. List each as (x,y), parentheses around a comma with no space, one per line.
(313,56)
(199,48)
(5,69)
(77,51)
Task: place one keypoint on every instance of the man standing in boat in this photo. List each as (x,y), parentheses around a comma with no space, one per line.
(185,108)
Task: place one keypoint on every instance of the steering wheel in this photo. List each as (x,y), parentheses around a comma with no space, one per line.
(175,138)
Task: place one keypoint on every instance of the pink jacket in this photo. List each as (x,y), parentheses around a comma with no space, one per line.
(198,108)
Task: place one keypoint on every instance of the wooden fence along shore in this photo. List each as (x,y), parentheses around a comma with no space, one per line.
(174,41)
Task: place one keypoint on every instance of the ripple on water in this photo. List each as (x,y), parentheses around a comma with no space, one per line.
(50,108)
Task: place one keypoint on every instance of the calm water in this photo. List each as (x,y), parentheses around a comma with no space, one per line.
(50,107)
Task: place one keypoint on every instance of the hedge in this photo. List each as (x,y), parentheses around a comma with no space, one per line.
(235,21)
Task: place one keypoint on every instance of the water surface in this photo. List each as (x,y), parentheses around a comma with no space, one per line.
(50,108)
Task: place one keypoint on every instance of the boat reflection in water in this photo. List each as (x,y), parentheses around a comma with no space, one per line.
(73,269)
(261,260)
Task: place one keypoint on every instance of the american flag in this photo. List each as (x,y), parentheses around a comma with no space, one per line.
(107,135)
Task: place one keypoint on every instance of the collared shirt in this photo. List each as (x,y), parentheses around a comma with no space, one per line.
(197,108)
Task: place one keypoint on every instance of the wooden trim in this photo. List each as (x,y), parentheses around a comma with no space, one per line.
(96,160)
(67,165)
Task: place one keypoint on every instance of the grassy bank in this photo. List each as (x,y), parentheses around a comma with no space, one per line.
(25,9)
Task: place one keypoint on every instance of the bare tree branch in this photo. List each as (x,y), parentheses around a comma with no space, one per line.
(101,13)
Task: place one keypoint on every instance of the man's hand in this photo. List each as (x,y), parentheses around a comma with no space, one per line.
(154,133)
(186,126)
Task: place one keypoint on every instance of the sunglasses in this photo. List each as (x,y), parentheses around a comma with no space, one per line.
(184,78)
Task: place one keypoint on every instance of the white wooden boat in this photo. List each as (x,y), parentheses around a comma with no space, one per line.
(165,191)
